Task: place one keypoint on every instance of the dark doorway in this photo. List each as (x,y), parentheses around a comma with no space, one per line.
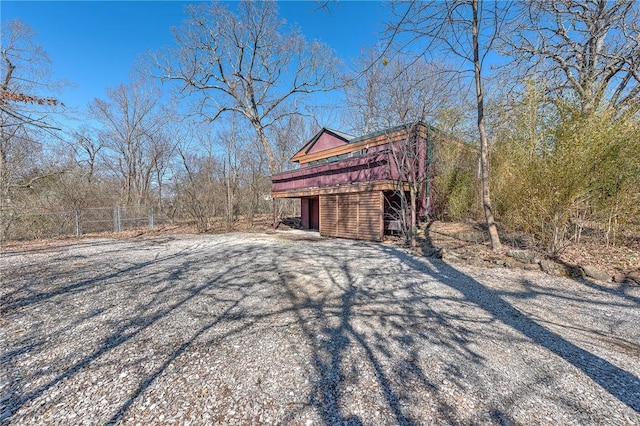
(314,213)
(393,211)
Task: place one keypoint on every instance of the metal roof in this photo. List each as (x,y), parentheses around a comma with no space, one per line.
(343,135)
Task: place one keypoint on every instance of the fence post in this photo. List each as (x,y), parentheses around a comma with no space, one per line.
(116,219)
(77,223)
(150,217)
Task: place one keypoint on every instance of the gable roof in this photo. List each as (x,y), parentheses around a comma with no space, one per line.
(309,145)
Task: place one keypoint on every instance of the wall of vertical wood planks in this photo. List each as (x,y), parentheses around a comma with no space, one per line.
(352,215)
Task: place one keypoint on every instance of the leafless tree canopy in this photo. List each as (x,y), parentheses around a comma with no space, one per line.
(248,62)
(440,27)
(135,135)
(400,90)
(587,52)
(27,113)
(27,103)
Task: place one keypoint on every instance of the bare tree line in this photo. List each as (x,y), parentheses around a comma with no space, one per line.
(199,129)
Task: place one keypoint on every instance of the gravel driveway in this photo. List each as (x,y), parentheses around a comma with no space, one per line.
(289,328)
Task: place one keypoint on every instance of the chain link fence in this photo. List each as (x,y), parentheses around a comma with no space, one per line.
(35,225)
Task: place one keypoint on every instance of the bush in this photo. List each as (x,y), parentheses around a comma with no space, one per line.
(455,186)
(582,172)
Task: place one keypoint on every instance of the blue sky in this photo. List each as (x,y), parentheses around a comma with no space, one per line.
(94,44)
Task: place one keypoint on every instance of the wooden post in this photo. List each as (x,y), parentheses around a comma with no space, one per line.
(77,223)
(274,213)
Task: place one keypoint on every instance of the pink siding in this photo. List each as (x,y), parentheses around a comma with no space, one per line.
(304,213)
(368,168)
(326,141)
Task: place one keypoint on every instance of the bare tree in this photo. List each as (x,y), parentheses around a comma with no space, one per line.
(195,186)
(400,91)
(134,132)
(80,186)
(409,157)
(230,173)
(586,51)
(287,134)
(162,157)
(206,183)
(247,62)
(466,30)
(27,113)
(86,148)
(255,183)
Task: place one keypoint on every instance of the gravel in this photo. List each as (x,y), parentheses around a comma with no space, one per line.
(290,328)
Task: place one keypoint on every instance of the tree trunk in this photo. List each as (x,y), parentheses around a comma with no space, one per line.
(414,216)
(271,159)
(159,178)
(484,144)
(229,190)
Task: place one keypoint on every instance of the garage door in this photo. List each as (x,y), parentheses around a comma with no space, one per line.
(355,215)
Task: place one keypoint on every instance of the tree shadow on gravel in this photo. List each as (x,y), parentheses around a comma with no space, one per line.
(27,293)
(330,335)
(162,305)
(333,336)
(616,381)
(375,332)
(410,322)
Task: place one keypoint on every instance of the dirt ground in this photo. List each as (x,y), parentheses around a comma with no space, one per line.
(468,243)
(289,328)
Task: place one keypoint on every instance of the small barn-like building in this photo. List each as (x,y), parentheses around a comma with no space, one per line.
(349,186)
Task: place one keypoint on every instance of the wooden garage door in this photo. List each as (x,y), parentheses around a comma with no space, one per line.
(355,215)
